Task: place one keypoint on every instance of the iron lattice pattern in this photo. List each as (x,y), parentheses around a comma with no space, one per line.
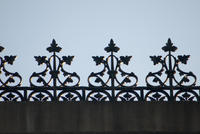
(112,83)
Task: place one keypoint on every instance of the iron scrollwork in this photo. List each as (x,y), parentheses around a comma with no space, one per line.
(40,96)
(112,65)
(54,83)
(186,95)
(170,64)
(69,95)
(11,95)
(128,96)
(11,79)
(157,95)
(99,95)
(54,65)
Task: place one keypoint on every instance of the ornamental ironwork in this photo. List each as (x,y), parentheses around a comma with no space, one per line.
(8,78)
(54,66)
(112,83)
(112,66)
(170,67)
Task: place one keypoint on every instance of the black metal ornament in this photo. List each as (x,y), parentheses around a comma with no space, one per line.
(112,83)
(170,67)
(10,79)
(112,67)
(54,66)
(174,78)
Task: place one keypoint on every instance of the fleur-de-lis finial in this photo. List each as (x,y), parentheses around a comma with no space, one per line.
(54,47)
(169,46)
(111,47)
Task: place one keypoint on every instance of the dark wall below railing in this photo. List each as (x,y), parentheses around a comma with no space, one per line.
(100,117)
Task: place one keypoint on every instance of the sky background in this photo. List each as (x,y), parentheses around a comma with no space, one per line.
(84,28)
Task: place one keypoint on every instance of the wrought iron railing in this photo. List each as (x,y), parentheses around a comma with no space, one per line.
(112,83)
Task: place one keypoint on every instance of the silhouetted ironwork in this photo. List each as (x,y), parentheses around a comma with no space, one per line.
(174,76)
(170,68)
(8,78)
(54,66)
(112,66)
(112,83)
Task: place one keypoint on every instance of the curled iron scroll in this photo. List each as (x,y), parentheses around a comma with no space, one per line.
(54,66)
(170,67)
(112,66)
(10,79)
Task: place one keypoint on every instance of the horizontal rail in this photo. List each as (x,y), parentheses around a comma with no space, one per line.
(83,93)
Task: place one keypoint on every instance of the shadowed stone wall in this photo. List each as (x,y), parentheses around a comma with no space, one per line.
(100,117)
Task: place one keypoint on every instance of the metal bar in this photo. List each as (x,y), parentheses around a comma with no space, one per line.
(170,76)
(112,76)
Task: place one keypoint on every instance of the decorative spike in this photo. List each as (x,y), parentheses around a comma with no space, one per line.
(54,47)
(1,48)
(169,46)
(111,47)
(54,43)
(169,42)
(111,41)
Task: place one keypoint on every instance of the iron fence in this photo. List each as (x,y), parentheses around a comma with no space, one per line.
(112,83)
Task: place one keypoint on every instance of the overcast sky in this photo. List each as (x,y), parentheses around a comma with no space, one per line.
(84,27)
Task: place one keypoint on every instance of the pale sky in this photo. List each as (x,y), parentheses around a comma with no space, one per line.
(83,28)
